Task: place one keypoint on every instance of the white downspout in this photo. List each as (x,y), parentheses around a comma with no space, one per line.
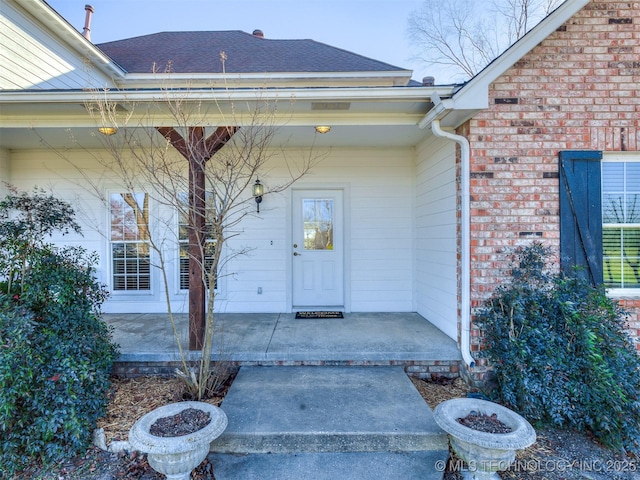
(465,287)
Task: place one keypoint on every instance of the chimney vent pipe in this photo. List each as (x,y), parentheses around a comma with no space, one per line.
(86,31)
(428,81)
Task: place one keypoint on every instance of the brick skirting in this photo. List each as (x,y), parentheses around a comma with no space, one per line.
(424,369)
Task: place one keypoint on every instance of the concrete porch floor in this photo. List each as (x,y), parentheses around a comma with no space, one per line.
(281,339)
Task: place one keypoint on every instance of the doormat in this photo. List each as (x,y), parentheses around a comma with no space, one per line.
(319,315)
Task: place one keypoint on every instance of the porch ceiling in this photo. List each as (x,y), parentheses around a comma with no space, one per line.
(358,117)
(286,136)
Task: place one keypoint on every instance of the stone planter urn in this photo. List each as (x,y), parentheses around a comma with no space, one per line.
(484,453)
(176,456)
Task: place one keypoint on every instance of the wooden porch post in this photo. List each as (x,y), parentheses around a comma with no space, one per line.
(198,150)
(197,214)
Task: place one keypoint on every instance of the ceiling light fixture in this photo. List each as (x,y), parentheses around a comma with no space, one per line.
(107,130)
(323,128)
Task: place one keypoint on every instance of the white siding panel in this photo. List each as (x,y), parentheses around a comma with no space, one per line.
(381,229)
(33,59)
(436,267)
(379,211)
(4,171)
(43,169)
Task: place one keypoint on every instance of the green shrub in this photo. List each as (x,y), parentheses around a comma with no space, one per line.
(55,351)
(560,353)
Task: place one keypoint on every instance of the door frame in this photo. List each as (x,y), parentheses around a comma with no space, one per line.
(346,219)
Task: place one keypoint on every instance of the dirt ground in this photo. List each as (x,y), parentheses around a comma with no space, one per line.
(556,455)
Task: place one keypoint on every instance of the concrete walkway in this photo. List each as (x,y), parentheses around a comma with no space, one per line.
(321,423)
(271,337)
(354,415)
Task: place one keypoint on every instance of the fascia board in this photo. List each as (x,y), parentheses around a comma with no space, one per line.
(325,94)
(474,93)
(59,27)
(449,113)
(191,80)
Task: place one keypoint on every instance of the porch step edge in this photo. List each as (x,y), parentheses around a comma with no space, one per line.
(426,465)
(329,442)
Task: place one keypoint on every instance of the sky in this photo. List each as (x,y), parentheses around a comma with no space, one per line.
(373,28)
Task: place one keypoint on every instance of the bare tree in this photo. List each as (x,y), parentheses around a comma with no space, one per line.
(461,37)
(204,174)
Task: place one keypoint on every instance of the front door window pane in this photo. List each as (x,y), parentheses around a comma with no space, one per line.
(317,223)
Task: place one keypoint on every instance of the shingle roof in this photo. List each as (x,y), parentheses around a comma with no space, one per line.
(199,52)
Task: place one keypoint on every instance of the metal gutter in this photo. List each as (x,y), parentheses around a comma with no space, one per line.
(375,79)
(381,94)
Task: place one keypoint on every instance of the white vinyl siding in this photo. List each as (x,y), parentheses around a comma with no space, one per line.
(436,244)
(33,59)
(379,188)
(4,172)
(379,206)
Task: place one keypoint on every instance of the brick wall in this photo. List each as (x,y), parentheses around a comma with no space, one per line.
(579,89)
(632,306)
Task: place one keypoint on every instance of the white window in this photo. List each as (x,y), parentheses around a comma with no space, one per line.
(621,221)
(183,239)
(129,236)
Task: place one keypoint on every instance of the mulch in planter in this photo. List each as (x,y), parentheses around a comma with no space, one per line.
(484,423)
(187,421)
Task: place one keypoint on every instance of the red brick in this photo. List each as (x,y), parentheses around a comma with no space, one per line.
(576,90)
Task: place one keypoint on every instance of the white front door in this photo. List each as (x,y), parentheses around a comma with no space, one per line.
(318,249)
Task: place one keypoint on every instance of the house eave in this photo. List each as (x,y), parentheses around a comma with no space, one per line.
(450,113)
(368,106)
(59,27)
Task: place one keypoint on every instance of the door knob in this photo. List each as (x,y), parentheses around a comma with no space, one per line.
(296,254)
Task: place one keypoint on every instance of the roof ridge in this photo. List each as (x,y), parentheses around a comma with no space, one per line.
(197,51)
(174,32)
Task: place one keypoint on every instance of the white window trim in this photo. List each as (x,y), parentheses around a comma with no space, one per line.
(126,293)
(626,157)
(623,292)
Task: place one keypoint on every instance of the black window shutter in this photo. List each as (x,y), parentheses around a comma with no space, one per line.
(581,214)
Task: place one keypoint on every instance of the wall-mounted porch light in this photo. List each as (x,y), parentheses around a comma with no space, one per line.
(323,128)
(107,130)
(258,191)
